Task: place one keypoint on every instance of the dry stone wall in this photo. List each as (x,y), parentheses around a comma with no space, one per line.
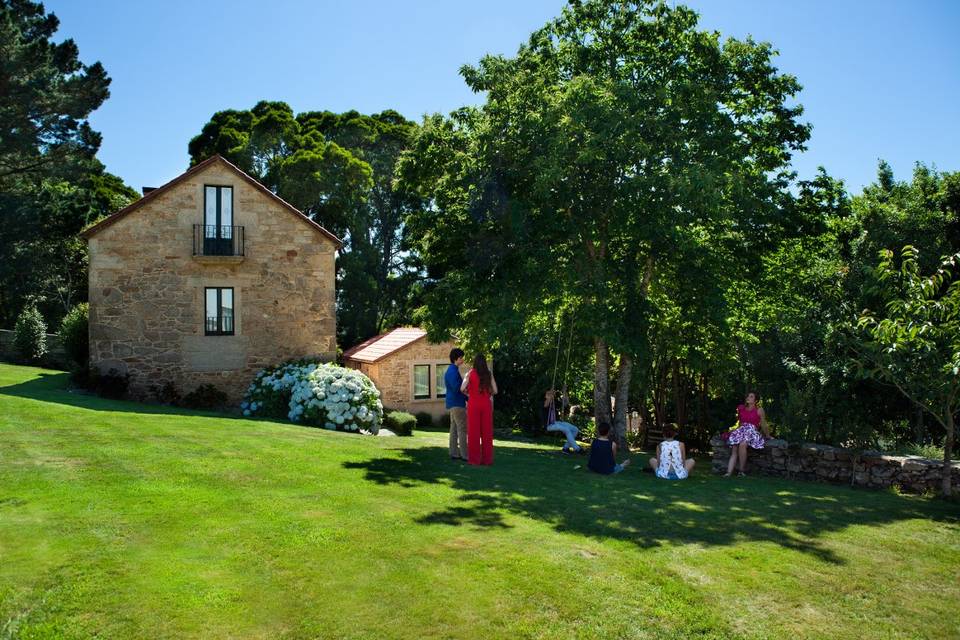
(823,463)
(147,291)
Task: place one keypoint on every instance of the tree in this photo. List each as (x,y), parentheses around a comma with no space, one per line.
(41,257)
(338,169)
(30,335)
(618,143)
(46,95)
(914,344)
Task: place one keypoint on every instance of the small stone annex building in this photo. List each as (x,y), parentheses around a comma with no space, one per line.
(206,280)
(406,368)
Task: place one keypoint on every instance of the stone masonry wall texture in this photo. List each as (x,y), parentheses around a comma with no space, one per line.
(833,464)
(147,291)
(393,376)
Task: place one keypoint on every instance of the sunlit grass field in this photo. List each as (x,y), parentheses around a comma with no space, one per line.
(120,520)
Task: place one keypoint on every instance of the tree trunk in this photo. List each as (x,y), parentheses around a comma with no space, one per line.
(601,382)
(623,399)
(947,451)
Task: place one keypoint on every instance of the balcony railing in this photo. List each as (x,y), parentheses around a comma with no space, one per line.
(213,240)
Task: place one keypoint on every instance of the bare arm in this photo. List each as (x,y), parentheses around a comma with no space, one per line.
(466,381)
(683,452)
(493,383)
(613,446)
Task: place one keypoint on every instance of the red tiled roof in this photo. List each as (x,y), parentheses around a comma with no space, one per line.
(385,344)
(197,168)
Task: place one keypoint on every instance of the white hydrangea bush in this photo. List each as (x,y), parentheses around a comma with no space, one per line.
(316,394)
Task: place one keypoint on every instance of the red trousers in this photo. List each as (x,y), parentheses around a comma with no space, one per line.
(480,431)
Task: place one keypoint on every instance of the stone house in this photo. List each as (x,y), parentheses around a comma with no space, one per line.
(206,280)
(406,368)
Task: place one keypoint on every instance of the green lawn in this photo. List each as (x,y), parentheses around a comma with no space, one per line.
(120,520)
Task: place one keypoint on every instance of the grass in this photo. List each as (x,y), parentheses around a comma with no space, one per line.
(122,520)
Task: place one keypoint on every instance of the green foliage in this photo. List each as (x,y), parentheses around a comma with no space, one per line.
(424,420)
(206,396)
(400,422)
(619,148)
(74,335)
(46,98)
(113,384)
(914,344)
(30,336)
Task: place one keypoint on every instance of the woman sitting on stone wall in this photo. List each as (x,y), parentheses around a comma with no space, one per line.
(750,419)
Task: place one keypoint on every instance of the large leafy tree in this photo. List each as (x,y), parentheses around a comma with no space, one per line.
(914,342)
(46,95)
(337,168)
(619,145)
(51,185)
(41,258)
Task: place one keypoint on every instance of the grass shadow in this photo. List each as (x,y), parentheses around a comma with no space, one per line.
(55,387)
(637,508)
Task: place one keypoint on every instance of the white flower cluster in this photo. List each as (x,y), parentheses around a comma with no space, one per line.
(321,395)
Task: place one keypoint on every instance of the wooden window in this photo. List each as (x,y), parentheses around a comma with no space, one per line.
(441,385)
(421,381)
(218,311)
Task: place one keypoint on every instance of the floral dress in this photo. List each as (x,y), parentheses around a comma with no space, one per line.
(747,430)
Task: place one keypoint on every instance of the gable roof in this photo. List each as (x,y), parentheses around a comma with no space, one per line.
(192,171)
(379,347)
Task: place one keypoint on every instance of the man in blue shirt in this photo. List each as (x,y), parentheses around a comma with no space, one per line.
(457,406)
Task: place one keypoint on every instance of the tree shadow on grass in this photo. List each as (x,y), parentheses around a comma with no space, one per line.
(56,388)
(637,508)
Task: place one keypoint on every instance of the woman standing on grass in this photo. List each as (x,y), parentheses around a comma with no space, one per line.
(480,387)
(750,419)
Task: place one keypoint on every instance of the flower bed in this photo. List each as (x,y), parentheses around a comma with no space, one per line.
(315,394)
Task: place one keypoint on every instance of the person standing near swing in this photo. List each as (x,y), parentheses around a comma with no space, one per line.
(480,386)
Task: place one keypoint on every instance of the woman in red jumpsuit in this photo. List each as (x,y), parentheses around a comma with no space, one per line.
(480,387)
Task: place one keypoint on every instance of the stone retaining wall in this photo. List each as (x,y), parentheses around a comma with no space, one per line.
(56,357)
(823,463)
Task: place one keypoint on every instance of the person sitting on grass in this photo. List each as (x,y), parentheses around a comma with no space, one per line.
(603,453)
(551,423)
(671,462)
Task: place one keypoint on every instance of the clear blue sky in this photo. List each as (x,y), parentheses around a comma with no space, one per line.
(881,78)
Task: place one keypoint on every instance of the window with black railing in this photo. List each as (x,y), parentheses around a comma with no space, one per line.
(217,240)
(219,311)
(217,236)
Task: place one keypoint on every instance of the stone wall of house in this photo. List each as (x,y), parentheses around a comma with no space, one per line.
(823,463)
(393,376)
(55,358)
(147,291)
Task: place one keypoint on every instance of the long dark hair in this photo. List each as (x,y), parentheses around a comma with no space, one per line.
(483,373)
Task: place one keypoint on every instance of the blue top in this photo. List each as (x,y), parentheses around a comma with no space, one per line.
(452,380)
(601,456)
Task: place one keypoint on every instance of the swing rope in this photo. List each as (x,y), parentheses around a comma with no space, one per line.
(564,403)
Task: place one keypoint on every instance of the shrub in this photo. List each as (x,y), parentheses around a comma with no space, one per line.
(111,384)
(424,420)
(168,394)
(30,335)
(445,422)
(206,396)
(400,422)
(74,336)
(316,394)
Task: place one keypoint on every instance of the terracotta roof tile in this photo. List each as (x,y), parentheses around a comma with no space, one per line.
(381,346)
